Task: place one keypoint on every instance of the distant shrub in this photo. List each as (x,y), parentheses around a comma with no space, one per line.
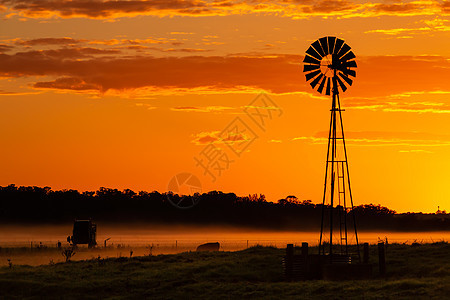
(68,253)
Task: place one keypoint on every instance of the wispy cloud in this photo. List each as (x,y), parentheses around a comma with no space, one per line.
(213,137)
(402,103)
(398,31)
(436,25)
(67,53)
(416,151)
(104,9)
(207,109)
(382,138)
(145,105)
(48,41)
(5,48)
(181,33)
(67,83)
(13,93)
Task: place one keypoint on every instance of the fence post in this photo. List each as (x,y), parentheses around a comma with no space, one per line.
(381,259)
(289,262)
(305,249)
(366,253)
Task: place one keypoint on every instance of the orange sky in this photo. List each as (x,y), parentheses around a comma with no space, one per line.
(126,94)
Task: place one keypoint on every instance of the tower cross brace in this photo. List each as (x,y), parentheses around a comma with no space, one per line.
(337,179)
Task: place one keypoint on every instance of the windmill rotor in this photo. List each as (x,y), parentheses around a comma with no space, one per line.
(329,63)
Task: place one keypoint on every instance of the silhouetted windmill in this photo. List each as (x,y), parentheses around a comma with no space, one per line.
(328,63)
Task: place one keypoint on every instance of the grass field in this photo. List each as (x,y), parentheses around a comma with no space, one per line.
(413,272)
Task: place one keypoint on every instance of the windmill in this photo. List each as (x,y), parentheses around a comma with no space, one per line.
(328,65)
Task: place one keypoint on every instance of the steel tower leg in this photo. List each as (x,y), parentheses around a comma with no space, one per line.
(332,158)
(349,187)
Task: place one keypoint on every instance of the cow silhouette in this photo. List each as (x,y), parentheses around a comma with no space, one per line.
(209,247)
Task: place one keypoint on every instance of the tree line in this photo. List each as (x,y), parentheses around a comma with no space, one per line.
(39,205)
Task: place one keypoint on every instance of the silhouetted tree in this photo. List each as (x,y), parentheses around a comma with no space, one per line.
(44,205)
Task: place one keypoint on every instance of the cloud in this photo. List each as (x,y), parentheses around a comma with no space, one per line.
(186,50)
(5,48)
(102,9)
(415,151)
(63,54)
(383,138)
(141,44)
(135,42)
(11,93)
(435,25)
(48,41)
(66,83)
(146,105)
(186,109)
(400,7)
(162,73)
(397,31)
(180,50)
(445,6)
(329,6)
(182,33)
(206,109)
(402,103)
(377,76)
(143,41)
(204,138)
(387,75)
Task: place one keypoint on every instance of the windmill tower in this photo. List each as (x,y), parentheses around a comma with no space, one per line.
(329,63)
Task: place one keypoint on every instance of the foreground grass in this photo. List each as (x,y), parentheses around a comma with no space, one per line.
(421,271)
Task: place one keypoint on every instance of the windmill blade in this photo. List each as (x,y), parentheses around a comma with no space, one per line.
(328,87)
(331,42)
(345,48)
(307,68)
(341,65)
(349,72)
(310,60)
(322,84)
(345,77)
(324,42)
(338,45)
(311,75)
(316,81)
(313,53)
(349,64)
(344,67)
(316,45)
(341,84)
(348,56)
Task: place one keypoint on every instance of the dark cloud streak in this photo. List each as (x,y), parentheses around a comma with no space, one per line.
(49,41)
(5,48)
(67,83)
(288,8)
(277,73)
(100,9)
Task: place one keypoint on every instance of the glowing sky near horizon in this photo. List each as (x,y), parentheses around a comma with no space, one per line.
(125,94)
